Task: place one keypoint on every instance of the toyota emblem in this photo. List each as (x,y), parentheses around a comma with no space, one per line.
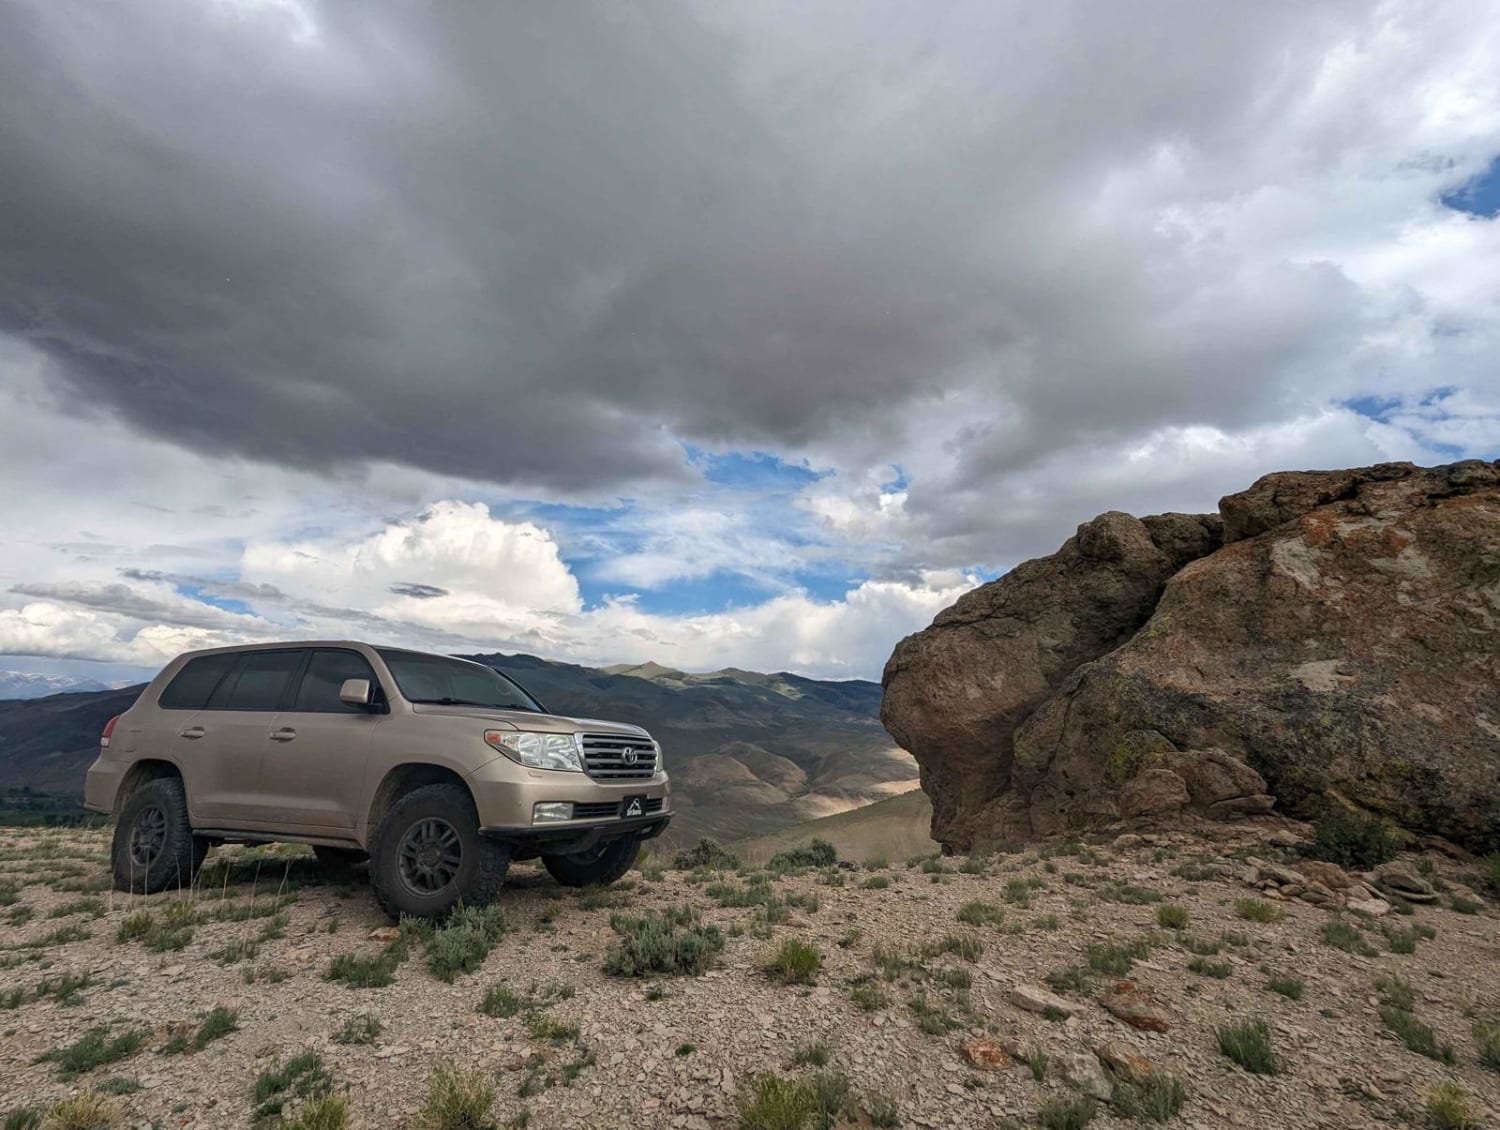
(628,756)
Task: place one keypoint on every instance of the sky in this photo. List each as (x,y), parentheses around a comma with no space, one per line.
(746,334)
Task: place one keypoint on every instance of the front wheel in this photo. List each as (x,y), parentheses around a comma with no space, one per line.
(596,867)
(428,855)
(154,848)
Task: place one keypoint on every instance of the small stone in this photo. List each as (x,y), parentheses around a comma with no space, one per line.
(1284,838)
(1085,1073)
(985,1054)
(1124,1061)
(1135,1004)
(384,934)
(1033,998)
(1376,908)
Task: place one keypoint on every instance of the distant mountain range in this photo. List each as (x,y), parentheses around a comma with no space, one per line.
(24,684)
(749,753)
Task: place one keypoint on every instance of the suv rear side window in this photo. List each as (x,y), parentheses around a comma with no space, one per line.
(190,687)
(319,691)
(261,683)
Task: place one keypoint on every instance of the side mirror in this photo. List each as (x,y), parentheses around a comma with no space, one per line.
(357,692)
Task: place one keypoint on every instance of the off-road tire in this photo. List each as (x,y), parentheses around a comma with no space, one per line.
(482,862)
(597,867)
(162,803)
(335,857)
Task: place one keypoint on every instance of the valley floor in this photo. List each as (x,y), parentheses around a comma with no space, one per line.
(915,961)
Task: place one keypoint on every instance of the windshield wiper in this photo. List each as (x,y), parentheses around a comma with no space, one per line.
(445,701)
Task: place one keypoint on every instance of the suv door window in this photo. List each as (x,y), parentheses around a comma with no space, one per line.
(190,687)
(325,674)
(261,683)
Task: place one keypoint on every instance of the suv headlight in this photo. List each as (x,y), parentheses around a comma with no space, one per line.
(538,751)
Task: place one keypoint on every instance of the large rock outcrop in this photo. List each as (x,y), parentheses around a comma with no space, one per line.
(1336,639)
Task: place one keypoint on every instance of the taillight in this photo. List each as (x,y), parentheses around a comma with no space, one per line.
(109,732)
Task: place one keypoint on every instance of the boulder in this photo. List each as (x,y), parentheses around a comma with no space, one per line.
(955,692)
(1032,998)
(1135,1004)
(1336,639)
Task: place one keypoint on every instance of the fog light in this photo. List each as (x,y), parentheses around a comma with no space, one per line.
(547,813)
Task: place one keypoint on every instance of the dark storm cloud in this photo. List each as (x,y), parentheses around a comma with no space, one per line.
(419,592)
(543,243)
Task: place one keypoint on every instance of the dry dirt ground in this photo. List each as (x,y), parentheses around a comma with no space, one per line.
(904,984)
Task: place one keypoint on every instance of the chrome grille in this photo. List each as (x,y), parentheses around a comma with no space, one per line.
(604,757)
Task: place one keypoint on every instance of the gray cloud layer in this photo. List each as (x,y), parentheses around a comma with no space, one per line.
(535,244)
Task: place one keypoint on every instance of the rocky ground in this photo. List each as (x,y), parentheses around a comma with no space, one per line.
(950,993)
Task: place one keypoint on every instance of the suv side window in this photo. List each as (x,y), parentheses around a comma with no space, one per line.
(325,674)
(260,683)
(190,687)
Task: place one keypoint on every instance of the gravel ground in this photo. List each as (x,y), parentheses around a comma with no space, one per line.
(677,1051)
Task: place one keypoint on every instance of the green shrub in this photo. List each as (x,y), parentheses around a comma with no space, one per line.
(1248,1043)
(1218,970)
(95,1048)
(707,853)
(1170,916)
(832,1096)
(462,943)
(980,914)
(795,962)
(1416,1035)
(818,853)
(457,1100)
(1448,1108)
(500,1001)
(1129,893)
(1067,1114)
(1355,840)
(966,946)
(216,1025)
(363,972)
(1463,905)
(1487,1037)
(300,1078)
(326,1112)
(1257,910)
(83,1111)
(1289,987)
(869,996)
(1343,935)
(769,1102)
(1156,1097)
(668,942)
(877,883)
(1115,959)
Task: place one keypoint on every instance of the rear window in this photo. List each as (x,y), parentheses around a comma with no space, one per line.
(319,692)
(261,683)
(190,688)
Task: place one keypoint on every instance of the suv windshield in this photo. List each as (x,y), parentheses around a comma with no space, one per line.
(454,682)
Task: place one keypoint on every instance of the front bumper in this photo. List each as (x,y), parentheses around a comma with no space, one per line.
(507,794)
(576,836)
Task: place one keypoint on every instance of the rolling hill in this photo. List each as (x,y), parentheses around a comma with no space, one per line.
(749,753)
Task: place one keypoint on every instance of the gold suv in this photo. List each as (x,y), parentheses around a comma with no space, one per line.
(440,770)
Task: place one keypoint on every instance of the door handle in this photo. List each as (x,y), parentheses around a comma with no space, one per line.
(193,732)
(285,734)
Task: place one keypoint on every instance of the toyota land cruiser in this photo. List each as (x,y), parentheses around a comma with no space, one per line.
(440,770)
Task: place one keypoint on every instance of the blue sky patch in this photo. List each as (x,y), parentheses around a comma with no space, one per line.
(228,604)
(1477,197)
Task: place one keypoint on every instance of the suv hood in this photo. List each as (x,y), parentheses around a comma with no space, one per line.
(529,720)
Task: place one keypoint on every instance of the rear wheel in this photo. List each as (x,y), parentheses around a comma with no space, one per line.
(154,848)
(428,855)
(598,866)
